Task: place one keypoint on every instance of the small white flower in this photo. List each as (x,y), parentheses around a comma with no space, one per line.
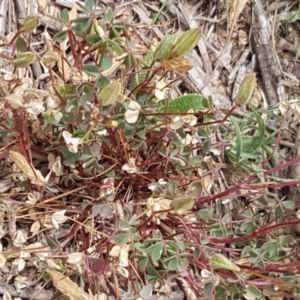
(102,132)
(36,109)
(160,90)
(153,186)
(226,201)
(130,167)
(58,218)
(190,119)
(132,114)
(176,123)
(72,143)
(187,140)
(154,205)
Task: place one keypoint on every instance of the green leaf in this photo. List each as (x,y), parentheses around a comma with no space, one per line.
(21,44)
(80,28)
(254,291)
(115,47)
(156,251)
(143,264)
(52,243)
(184,103)
(271,246)
(91,70)
(173,264)
(294,16)
(93,38)
(288,205)
(204,214)
(186,42)
(61,36)
(64,15)
(106,63)
(88,5)
(81,20)
(108,15)
(141,247)
(257,142)
(239,141)
(23,59)
(102,81)
(110,93)
(284,240)
(196,188)
(219,261)
(121,239)
(146,291)
(164,48)
(182,202)
(221,292)
(245,90)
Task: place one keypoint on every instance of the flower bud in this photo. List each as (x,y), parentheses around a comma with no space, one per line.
(219,261)
(246,89)
(186,42)
(50,58)
(164,48)
(23,59)
(111,124)
(30,23)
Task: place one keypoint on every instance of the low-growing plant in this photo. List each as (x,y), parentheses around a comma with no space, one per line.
(130,161)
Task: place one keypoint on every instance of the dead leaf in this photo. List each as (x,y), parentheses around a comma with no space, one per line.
(67,287)
(28,170)
(177,64)
(236,9)
(42,4)
(73,13)
(64,68)
(2,260)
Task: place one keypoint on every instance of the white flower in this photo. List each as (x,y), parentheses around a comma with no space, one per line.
(190,119)
(176,123)
(187,140)
(102,132)
(153,186)
(72,143)
(58,218)
(160,90)
(155,205)
(132,114)
(130,167)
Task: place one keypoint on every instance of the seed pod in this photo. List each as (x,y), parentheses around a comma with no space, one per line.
(30,23)
(186,42)
(246,89)
(164,48)
(23,59)
(50,58)
(110,93)
(219,261)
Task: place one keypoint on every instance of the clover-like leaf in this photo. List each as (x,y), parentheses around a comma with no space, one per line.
(110,93)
